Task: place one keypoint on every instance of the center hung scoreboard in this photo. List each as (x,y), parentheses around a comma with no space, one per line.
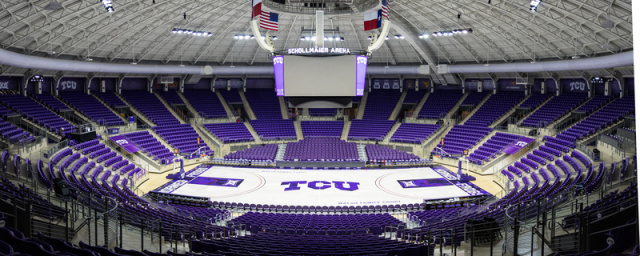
(320,75)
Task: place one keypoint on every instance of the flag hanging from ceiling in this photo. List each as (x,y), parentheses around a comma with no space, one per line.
(256,8)
(269,20)
(372,20)
(385,8)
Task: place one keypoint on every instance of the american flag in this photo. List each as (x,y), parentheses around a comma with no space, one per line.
(385,8)
(269,20)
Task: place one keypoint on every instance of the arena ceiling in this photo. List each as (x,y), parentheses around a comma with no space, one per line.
(139,31)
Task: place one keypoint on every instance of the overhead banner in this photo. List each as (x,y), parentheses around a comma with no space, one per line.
(517,145)
(125,143)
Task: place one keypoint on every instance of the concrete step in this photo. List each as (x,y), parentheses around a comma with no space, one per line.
(420,104)
(535,109)
(253,132)
(396,110)
(166,105)
(112,110)
(345,129)
(393,129)
(298,127)
(284,110)
(362,105)
(135,111)
(476,108)
(509,113)
(224,103)
(189,106)
(247,106)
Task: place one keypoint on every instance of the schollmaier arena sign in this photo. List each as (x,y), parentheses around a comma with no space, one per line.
(318,50)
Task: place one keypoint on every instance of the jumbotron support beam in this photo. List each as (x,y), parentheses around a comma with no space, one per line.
(262,42)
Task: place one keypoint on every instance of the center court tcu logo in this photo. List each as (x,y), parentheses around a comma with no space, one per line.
(211,181)
(278,60)
(321,185)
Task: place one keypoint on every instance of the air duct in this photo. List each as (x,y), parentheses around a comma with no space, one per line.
(10,58)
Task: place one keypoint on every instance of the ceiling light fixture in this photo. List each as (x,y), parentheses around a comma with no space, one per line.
(191,32)
(108,5)
(451,32)
(534,5)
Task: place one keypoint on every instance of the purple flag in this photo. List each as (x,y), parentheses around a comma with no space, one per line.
(125,143)
(517,145)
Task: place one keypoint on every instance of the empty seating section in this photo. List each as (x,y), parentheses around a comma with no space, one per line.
(150,106)
(182,136)
(206,103)
(275,129)
(323,111)
(362,129)
(91,107)
(322,128)
(535,100)
(492,147)
(380,104)
(4,111)
(171,97)
(413,132)
(356,99)
(439,104)
(266,152)
(460,138)
(232,96)
(496,106)
(379,153)
(554,109)
(230,132)
(337,224)
(474,98)
(51,102)
(414,97)
(111,99)
(321,149)
(594,103)
(311,244)
(37,113)
(264,103)
(602,118)
(13,134)
(150,145)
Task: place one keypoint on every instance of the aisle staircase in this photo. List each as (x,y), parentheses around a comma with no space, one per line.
(509,113)
(247,106)
(393,129)
(474,109)
(189,106)
(420,104)
(457,105)
(298,127)
(168,107)
(283,108)
(224,104)
(282,148)
(396,110)
(362,153)
(345,128)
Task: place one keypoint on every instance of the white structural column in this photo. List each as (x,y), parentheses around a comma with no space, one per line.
(319,29)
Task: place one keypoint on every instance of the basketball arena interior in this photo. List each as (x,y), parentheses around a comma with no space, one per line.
(318,127)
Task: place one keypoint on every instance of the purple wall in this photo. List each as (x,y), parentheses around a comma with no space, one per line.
(630,82)
(71,84)
(577,85)
(110,84)
(509,85)
(257,83)
(94,85)
(130,84)
(551,85)
(10,82)
(615,87)
(537,85)
(599,88)
(204,83)
(448,87)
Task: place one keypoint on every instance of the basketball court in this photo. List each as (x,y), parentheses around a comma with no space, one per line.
(321,187)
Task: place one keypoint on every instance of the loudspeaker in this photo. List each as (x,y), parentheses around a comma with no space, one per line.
(61,187)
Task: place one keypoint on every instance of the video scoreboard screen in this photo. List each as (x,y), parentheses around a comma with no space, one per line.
(315,76)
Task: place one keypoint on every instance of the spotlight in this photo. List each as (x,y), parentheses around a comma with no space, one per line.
(396,37)
(386,38)
(252,37)
(247,36)
(309,38)
(369,37)
(534,5)
(337,38)
(302,38)
(274,38)
(236,37)
(341,38)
